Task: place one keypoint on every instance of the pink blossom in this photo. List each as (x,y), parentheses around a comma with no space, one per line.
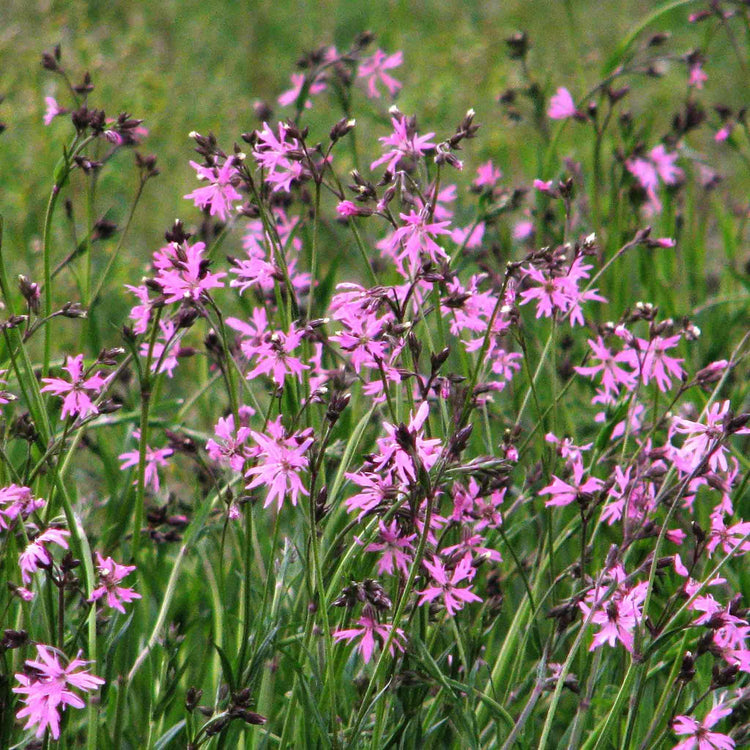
(395,548)
(488,175)
(612,374)
(155,458)
(700,736)
(280,461)
(36,555)
(78,392)
(17,501)
(141,313)
(219,194)
(46,687)
(697,76)
(53,109)
(404,143)
(729,538)
(362,338)
(189,277)
(273,356)
(292,95)
(617,617)
(166,351)
(656,365)
(377,489)
(369,629)
(274,154)
(705,440)
(523,229)
(374,69)
(230,448)
(563,493)
(561,105)
(447,588)
(392,454)
(724,132)
(110,575)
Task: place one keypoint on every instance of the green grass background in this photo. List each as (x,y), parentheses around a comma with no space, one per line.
(193,65)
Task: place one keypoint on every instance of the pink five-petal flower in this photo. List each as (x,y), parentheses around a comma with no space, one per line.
(374,69)
(52,110)
(395,548)
(404,142)
(155,458)
(188,277)
(78,392)
(369,628)
(37,555)
(487,175)
(563,493)
(453,597)
(110,575)
(273,356)
(561,105)
(291,95)
(700,737)
(218,195)
(46,687)
(280,461)
(230,447)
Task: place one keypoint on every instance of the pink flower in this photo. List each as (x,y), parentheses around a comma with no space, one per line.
(188,278)
(617,617)
(298,81)
(274,154)
(656,365)
(392,454)
(369,628)
(415,237)
(374,69)
(273,356)
(141,313)
(394,548)
(487,175)
(46,686)
(376,490)
(697,76)
(361,337)
(705,439)
(523,229)
(563,493)
(728,538)
(217,196)
(17,501)
(612,374)
(280,461)
(52,110)
(162,358)
(37,556)
(723,133)
(700,736)
(110,574)
(78,391)
(404,142)
(230,448)
(155,458)
(453,597)
(561,105)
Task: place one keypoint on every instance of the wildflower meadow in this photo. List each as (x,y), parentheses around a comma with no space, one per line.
(420,424)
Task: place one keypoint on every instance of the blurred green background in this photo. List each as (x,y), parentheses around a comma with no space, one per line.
(191,65)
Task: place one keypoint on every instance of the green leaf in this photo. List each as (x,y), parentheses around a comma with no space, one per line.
(226,668)
(624,46)
(169,735)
